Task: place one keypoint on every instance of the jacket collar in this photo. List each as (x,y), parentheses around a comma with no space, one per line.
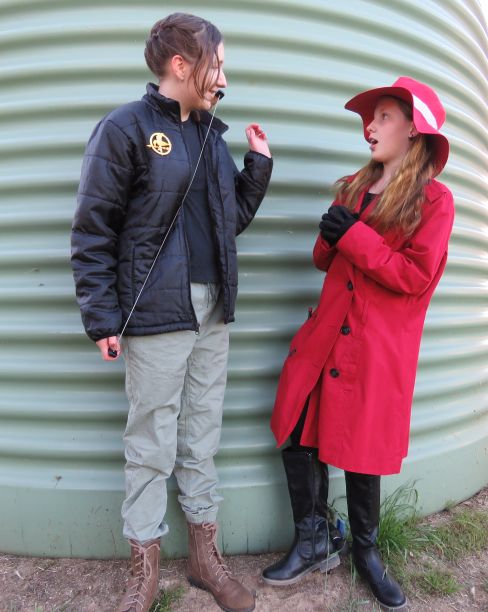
(172,107)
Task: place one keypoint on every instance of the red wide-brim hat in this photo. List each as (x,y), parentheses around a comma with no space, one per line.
(428,112)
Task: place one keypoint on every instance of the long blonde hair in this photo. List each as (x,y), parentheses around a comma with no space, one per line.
(400,205)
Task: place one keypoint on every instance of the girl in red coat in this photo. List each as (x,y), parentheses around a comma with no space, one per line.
(345,392)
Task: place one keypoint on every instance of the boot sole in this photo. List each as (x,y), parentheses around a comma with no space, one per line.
(203,587)
(324,566)
(385,607)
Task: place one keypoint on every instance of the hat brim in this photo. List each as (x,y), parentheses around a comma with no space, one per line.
(365,103)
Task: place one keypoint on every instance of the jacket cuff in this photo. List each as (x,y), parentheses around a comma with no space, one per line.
(259,158)
(358,234)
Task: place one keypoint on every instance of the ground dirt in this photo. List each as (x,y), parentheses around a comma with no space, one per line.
(69,585)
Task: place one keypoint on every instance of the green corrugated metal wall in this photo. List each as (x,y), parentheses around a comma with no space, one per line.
(291,66)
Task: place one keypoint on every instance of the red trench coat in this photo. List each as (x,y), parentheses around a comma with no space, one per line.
(356,356)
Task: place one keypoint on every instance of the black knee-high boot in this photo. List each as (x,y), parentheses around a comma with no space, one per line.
(315,545)
(363,507)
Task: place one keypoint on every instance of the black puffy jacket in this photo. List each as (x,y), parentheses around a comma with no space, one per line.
(134,175)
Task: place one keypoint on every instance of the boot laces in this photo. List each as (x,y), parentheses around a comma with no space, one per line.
(137,589)
(217,562)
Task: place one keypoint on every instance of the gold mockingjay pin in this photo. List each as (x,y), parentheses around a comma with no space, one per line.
(160,143)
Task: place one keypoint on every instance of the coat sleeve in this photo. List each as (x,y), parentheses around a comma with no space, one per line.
(411,269)
(323,254)
(250,186)
(105,181)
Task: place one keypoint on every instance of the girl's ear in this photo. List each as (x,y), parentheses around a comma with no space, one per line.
(178,67)
(413,131)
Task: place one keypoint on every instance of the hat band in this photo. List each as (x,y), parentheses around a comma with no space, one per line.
(425,111)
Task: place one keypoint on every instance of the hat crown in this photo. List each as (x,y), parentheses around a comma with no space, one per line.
(425,101)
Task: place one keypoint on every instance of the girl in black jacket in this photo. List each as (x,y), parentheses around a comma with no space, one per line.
(139,162)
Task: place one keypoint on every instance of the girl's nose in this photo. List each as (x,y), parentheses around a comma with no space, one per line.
(222,81)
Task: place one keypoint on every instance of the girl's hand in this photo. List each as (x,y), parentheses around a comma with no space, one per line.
(336,222)
(257,139)
(106,343)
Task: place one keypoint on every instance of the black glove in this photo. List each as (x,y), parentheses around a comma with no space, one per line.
(335,223)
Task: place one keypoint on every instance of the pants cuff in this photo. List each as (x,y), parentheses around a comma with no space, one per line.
(209,516)
(145,535)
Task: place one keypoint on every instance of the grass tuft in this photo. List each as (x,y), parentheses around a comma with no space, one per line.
(398,522)
(167,598)
(436,582)
(401,533)
(466,533)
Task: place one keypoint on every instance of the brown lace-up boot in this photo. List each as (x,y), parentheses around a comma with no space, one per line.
(208,571)
(143,583)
